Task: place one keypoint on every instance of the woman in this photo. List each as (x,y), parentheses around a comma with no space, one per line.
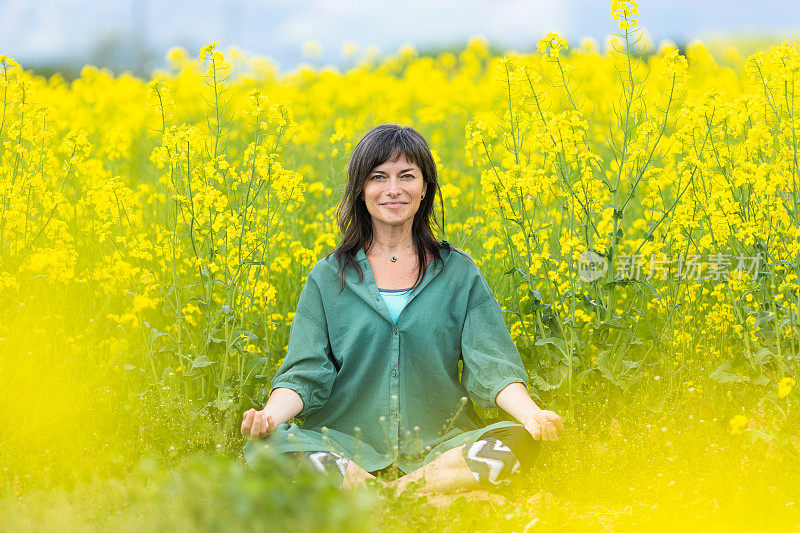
(381,325)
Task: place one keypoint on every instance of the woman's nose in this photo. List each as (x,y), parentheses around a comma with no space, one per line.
(394,186)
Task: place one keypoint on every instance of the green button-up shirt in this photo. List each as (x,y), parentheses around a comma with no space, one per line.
(381,393)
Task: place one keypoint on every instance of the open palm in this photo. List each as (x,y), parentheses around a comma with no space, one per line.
(544,425)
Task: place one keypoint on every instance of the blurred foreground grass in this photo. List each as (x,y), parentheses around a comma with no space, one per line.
(654,471)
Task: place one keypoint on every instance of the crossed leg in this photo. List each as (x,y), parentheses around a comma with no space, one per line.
(347,472)
(486,463)
(355,476)
(447,473)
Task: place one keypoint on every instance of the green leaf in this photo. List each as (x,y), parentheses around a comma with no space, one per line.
(525,275)
(764,317)
(762,355)
(167,373)
(604,366)
(626,365)
(578,380)
(211,338)
(154,334)
(201,361)
(622,374)
(725,374)
(762,380)
(252,366)
(224,403)
(554,341)
(541,384)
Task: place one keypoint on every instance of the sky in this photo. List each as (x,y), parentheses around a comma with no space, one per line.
(124,33)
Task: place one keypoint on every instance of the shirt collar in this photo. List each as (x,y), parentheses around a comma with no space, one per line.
(368,291)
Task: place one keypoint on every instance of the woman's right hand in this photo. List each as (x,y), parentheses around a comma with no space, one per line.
(257,424)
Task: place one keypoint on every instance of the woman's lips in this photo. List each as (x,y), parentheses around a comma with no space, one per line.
(394,205)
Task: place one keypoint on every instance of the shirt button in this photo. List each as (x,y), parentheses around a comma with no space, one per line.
(394,414)
(395,330)
(394,373)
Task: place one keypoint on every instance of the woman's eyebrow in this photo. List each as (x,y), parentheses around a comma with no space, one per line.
(382,172)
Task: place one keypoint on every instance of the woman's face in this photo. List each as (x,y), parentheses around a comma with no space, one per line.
(392,192)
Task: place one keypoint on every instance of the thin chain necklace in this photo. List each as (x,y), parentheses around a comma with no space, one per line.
(394,257)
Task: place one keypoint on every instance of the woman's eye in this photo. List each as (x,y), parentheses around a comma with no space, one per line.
(381,176)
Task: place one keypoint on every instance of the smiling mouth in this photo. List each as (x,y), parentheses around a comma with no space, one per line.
(394,204)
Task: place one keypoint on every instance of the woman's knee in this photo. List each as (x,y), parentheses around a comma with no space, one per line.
(501,454)
(525,448)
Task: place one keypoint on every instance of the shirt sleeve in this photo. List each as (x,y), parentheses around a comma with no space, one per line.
(491,359)
(308,366)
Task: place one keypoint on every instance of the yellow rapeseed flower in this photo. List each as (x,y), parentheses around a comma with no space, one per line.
(622,10)
(737,424)
(551,44)
(207,49)
(785,386)
(141,302)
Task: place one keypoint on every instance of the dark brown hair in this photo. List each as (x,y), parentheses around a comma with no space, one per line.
(375,148)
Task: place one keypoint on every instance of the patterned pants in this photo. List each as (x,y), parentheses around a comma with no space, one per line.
(498,456)
(328,463)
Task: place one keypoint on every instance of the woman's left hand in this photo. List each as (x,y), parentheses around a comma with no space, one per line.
(543,425)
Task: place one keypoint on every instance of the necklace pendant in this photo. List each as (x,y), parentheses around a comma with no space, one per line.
(394,259)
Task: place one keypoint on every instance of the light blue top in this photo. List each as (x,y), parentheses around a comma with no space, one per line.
(396,300)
